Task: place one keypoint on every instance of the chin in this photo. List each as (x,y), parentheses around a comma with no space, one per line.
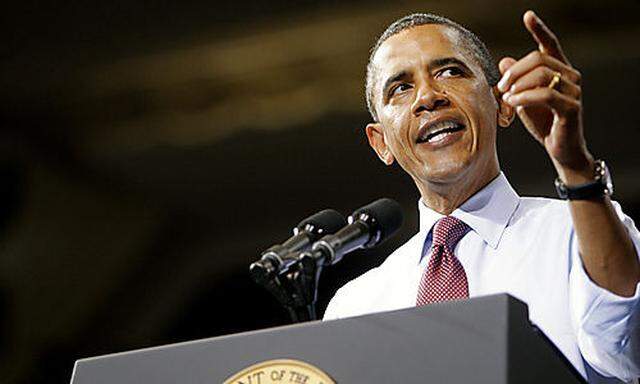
(448,171)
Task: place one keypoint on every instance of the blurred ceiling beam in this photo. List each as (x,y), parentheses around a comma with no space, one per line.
(270,79)
(284,73)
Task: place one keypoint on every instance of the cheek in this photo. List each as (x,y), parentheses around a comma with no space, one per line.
(484,95)
(483,106)
(397,122)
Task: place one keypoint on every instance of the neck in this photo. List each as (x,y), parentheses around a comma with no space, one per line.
(446,197)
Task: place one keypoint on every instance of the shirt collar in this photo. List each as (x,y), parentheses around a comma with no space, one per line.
(487,212)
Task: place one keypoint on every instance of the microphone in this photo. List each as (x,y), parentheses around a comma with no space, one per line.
(368,227)
(276,258)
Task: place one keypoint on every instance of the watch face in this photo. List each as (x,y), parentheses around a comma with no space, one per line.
(609,185)
(607,181)
(560,188)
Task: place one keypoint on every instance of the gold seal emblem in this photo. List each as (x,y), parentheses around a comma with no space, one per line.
(280,371)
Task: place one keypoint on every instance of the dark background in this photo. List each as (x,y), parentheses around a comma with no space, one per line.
(150,150)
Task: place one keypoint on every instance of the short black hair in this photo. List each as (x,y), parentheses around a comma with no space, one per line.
(471,40)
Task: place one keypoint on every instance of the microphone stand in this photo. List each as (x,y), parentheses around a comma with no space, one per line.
(293,278)
(296,287)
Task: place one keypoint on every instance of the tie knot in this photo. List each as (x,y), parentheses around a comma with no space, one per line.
(448,231)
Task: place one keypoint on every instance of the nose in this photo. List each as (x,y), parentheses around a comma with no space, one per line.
(429,99)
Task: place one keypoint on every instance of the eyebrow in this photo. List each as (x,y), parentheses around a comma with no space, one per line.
(395,77)
(435,63)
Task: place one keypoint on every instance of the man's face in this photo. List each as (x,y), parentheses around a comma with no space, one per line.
(437,113)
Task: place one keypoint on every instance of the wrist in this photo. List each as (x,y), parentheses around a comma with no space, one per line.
(599,186)
(578,172)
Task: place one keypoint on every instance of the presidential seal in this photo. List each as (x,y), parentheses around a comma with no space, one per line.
(280,371)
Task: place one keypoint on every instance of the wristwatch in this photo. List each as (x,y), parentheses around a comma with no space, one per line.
(600,186)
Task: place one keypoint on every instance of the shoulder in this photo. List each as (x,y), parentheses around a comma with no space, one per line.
(541,205)
(538,218)
(551,218)
(548,208)
(541,208)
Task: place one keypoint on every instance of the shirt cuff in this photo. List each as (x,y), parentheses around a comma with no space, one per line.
(607,325)
(601,312)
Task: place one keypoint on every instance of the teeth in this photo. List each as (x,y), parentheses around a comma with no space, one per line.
(439,130)
(439,136)
(443,125)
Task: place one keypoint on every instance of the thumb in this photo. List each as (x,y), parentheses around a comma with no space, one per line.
(505,64)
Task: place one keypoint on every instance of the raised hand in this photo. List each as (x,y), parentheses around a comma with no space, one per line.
(551,110)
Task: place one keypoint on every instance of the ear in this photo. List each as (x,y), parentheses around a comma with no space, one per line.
(376,138)
(506,113)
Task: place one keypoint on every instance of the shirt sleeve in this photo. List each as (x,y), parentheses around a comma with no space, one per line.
(607,325)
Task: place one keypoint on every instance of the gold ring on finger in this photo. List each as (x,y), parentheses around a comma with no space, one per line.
(555,80)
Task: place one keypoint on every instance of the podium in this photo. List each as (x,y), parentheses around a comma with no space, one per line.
(482,340)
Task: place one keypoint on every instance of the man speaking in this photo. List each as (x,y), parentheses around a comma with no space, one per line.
(437,99)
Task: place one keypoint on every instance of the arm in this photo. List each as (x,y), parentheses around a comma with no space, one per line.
(606,326)
(553,116)
(608,255)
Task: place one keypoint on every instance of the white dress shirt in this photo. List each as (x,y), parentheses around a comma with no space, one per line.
(525,247)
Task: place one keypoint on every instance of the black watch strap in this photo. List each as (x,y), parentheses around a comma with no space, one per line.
(580,192)
(599,187)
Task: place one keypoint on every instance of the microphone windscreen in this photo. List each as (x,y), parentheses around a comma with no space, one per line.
(387,215)
(329,221)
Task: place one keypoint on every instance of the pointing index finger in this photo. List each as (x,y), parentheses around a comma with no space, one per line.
(547,41)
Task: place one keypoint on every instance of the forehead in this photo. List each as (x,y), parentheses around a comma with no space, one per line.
(416,46)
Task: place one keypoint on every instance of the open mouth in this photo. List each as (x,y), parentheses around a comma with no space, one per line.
(437,131)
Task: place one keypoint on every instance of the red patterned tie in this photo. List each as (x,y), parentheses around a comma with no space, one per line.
(444,278)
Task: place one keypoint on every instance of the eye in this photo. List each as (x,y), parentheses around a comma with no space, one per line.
(399,89)
(451,72)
